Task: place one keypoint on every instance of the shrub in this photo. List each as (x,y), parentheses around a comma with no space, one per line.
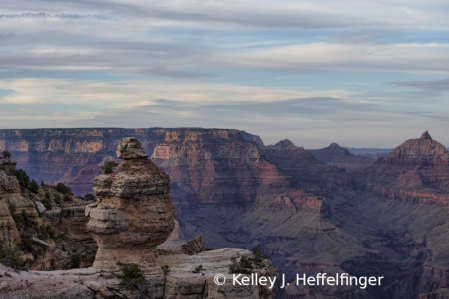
(108,167)
(67,197)
(23,218)
(63,188)
(89,196)
(46,232)
(47,194)
(47,203)
(12,209)
(42,184)
(243,266)
(258,255)
(57,199)
(6,154)
(21,176)
(37,210)
(198,269)
(9,257)
(165,269)
(75,262)
(33,186)
(131,275)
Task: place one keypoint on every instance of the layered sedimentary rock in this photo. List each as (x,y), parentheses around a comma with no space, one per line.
(65,155)
(416,171)
(11,199)
(134,213)
(8,163)
(305,167)
(341,157)
(218,167)
(182,281)
(217,173)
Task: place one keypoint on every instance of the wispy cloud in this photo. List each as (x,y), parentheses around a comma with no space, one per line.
(283,68)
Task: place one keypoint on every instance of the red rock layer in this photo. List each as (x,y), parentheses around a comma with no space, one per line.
(416,171)
(305,167)
(338,156)
(55,155)
(218,166)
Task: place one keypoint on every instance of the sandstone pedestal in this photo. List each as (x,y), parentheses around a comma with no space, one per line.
(134,213)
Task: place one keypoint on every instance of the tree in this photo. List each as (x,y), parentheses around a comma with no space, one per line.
(63,188)
(89,196)
(42,183)
(33,186)
(6,154)
(131,275)
(108,167)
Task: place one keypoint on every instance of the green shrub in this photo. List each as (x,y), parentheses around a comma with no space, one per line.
(47,203)
(67,197)
(9,257)
(258,252)
(22,218)
(6,154)
(47,194)
(63,188)
(198,269)
(165,269)
(57,199)
(37,210)
(75,262)
(12,209)
(89,196)
(131,275)
(33,186)
(22,177)
(243,266)
(46,232)
(108,167)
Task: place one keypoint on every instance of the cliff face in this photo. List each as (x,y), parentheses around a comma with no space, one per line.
(306,168)
(69,155)
(218,167)
(416,171)
(341,157)
(11,199)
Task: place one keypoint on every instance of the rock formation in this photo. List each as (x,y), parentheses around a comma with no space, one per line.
(183,281)
(305,167)
(341,157)
(194,246)
(67,155)
(11,198)
(8,163)
(134,213)
(416,171)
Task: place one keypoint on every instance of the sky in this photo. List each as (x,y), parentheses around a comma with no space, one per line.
(359,73)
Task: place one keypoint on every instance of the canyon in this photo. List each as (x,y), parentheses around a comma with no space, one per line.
(312,210)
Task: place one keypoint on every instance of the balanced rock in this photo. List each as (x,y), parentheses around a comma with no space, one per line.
(194,246)
(134,213)
(130,148)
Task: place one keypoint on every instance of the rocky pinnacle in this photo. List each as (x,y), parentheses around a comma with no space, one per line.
(134,213)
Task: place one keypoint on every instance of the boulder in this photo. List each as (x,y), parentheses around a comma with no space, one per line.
(194,246)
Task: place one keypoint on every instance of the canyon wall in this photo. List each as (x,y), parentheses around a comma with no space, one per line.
(341,157)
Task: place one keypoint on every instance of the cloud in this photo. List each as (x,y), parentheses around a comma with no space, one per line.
(435,85)
(277,68)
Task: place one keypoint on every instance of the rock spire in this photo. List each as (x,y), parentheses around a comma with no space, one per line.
(134,213)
